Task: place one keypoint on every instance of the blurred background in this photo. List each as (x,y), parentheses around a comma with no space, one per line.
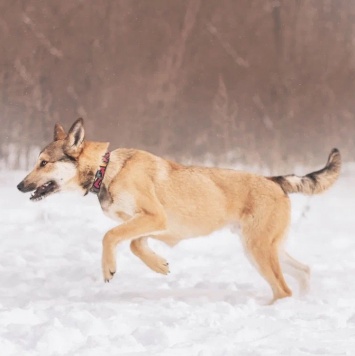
(255,82)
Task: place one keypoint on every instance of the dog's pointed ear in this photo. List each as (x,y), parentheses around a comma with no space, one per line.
(59,133)
(75,139)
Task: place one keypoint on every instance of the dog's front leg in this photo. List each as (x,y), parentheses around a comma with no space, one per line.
(142,224)
(141,249)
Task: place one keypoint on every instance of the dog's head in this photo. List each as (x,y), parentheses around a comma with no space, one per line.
(56,167)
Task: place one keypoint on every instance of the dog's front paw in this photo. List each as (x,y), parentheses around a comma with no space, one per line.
(108,266)
(158,264)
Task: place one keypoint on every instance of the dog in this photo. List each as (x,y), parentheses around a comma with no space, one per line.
(158,198)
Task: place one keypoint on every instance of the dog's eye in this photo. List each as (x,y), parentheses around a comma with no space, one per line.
(43,163)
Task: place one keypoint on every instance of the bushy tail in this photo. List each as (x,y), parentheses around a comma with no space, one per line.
(315,182)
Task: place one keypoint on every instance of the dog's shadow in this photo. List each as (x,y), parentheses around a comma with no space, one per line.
(209,293)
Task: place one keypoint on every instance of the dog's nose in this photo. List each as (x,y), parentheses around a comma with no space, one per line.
(21,186)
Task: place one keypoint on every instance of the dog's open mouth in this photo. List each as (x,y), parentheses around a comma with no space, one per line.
(44,190)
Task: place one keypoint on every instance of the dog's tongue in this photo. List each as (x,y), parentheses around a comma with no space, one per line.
(40,192)
(37,193)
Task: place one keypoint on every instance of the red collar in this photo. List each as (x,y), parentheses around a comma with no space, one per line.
(100,174)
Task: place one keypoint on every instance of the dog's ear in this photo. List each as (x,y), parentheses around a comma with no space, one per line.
(75,139)
(59,133)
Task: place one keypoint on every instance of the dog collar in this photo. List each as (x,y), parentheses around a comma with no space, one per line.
(100,174)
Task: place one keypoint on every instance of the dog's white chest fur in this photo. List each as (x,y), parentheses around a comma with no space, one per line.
(124,204)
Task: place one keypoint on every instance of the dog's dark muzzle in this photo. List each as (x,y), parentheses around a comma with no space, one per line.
(22,187)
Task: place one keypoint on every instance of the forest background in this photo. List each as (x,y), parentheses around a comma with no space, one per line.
(255,82)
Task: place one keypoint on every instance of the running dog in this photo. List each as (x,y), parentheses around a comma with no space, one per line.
(157,198)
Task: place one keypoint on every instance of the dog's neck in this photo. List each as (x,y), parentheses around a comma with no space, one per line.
(89,162)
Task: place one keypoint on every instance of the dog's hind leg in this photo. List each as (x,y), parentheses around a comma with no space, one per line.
(268,265)
(263,253)
(296,269)
(142,250)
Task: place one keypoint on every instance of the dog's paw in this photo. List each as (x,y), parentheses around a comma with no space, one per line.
(158,264)
(305,282)
(108,267)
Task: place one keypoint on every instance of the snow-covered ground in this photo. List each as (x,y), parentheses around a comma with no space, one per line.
(53,300)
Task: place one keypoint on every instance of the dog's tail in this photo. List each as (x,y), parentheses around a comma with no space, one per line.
(315,182)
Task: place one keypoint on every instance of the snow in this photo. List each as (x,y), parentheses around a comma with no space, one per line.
(53,300)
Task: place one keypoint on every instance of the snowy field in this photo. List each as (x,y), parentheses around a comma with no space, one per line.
(53,300)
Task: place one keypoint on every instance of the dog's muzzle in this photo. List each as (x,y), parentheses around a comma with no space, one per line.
(25,188)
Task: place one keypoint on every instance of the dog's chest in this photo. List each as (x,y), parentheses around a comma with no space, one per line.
(120,207)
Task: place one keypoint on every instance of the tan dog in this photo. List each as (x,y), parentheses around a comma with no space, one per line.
(170,202)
